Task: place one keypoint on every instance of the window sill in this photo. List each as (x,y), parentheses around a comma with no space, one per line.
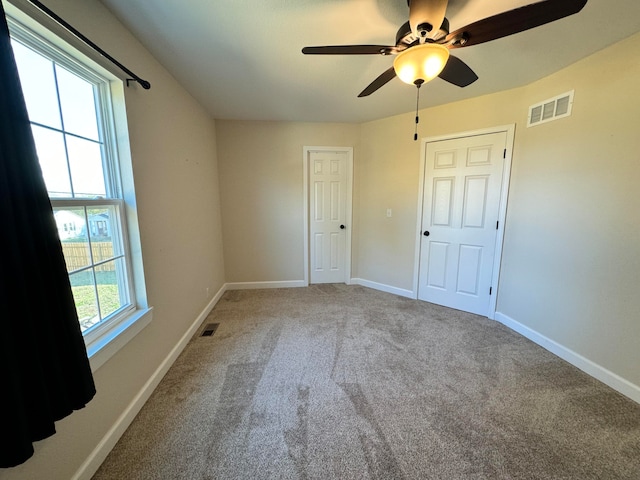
(103,347)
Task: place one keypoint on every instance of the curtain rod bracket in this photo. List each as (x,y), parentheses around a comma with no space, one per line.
(146,85)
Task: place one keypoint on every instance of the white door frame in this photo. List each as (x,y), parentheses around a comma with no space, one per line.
(349,207)
(504,195)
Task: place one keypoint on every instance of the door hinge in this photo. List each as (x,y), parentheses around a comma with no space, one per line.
(490,290)
(497,224)
(504,154)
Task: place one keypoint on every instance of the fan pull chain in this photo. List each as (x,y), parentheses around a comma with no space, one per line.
(415,135)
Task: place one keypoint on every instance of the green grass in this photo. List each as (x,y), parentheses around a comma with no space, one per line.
(86,306)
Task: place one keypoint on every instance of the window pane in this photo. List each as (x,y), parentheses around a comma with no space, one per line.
(38,85)
(85,160)
(84,294)
(101,227)
(53,161)
(78,104)
(73,236)
(112,295)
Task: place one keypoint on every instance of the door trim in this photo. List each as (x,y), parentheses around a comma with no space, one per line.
(502,214)
(349,207)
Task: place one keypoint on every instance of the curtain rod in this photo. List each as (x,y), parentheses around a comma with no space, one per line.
(146,85)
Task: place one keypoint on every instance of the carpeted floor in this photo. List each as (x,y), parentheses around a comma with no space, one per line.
(344,382)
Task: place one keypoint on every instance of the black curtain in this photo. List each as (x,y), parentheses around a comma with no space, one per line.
(45,373)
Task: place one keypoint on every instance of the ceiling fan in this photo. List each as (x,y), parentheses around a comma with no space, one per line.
(422,51)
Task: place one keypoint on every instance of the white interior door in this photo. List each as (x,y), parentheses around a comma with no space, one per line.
(328,216)
(461,206)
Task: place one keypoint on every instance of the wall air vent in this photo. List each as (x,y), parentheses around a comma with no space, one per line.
(551,109)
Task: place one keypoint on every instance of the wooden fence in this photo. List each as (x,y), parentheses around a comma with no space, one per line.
(76,254)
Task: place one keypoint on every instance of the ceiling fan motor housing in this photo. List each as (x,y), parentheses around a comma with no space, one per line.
(426,17)
(424,29)
(405,36)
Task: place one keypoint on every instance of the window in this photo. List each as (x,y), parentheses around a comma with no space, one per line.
(69,101)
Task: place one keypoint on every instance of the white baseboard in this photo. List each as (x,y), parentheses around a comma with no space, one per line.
(95,459)
(384,288)
(591,368)
(259,285)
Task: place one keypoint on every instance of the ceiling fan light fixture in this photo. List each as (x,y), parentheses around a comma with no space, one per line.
(421,62)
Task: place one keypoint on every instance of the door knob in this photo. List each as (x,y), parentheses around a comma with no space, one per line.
(426,233)
(341,227)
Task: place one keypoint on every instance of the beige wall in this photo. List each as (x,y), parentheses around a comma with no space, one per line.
(571,260)
(173,146)
(261,173)
(572,249)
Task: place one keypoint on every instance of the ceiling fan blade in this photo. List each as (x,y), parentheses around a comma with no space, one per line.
(430,12)
(383,79)
(514,21)
(347,50)
(458,72)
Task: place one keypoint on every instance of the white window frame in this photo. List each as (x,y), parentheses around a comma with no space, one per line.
(106,338)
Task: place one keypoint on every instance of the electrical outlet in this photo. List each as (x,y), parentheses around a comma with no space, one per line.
(389,213)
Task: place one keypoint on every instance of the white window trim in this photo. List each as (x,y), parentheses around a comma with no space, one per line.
(106,340)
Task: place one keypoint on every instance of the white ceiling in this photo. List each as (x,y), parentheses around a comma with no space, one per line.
(242,58)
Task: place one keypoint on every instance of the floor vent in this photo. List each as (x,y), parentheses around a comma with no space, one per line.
(551,109)
(209,329)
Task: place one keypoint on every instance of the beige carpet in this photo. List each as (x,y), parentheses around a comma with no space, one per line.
(344,382)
